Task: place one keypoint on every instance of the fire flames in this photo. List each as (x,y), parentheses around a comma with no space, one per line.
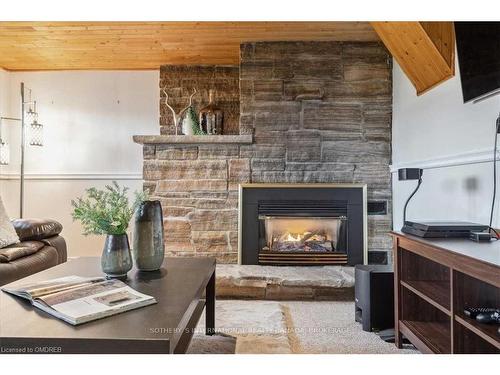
(292,237)
(306,241)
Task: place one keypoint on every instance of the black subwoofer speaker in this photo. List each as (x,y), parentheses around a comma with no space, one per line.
(374,297)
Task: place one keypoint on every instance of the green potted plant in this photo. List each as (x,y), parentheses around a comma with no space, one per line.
(108,212)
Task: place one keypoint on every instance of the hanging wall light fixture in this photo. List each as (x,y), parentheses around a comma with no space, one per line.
(36,129)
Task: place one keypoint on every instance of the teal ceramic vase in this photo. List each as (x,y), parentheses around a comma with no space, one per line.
(148,245)
(116,259)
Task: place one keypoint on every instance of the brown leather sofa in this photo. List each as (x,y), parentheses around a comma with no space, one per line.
(40,247)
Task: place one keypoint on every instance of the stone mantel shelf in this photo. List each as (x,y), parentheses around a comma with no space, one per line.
(193,139)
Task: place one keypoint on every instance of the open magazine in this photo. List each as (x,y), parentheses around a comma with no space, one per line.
(77,300)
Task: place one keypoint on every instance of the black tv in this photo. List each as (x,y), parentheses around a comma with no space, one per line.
(478,47)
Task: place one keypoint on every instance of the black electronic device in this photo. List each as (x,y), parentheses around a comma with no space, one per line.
(489,317)
(478,47)
(480,236)
(410,174)
(442,229)
(374,297)
(472,312)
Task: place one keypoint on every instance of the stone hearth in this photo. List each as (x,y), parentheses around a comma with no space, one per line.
(285,283)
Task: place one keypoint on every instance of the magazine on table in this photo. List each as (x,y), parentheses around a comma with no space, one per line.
(77,300)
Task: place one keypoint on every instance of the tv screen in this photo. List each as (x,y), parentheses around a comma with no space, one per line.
(478,46)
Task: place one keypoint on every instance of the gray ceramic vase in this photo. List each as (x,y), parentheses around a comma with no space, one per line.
(116,259)
(148,244)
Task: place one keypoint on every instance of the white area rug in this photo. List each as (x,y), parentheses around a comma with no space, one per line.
(265,327)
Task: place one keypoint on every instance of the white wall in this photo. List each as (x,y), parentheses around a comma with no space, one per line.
(4,88)
(454,143)
(89,118)
(4,100)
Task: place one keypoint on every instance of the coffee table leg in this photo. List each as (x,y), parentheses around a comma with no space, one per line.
(210,306)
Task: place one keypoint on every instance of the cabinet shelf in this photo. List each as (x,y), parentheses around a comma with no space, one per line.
(487,332)
(428,337)
(437,293)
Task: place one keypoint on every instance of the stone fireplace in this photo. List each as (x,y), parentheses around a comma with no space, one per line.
(309,113)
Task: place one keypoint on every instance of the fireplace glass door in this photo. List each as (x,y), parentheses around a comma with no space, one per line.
(302,240)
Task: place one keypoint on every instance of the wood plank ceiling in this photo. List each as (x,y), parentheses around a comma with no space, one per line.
(147,45)
(424,50)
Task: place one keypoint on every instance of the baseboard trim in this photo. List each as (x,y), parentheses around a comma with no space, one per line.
(72,176)
(453,160)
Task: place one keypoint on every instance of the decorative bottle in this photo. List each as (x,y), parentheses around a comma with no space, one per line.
(212,117)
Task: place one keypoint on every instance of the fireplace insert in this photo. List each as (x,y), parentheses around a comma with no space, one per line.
(306,224)
(302,232)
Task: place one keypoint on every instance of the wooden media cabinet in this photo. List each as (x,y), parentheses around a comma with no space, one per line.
(435,279)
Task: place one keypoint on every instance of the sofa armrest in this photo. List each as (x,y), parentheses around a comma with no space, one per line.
(36,229)
(58,243)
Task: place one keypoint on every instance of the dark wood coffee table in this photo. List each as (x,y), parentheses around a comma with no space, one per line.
(183,287)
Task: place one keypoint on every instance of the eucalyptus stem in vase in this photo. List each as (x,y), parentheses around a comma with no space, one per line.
(108,212)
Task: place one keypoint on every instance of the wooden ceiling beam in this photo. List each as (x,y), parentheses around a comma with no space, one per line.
(424,50)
